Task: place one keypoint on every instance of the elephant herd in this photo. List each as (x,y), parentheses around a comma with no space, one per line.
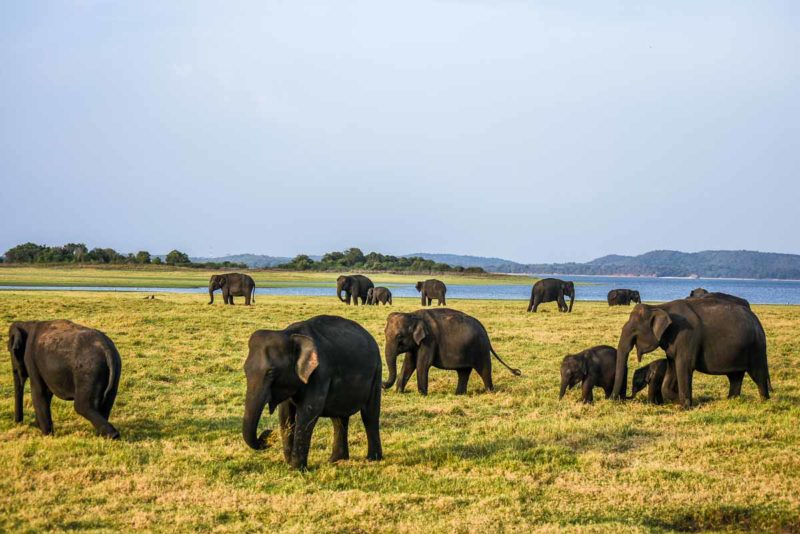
(330,366)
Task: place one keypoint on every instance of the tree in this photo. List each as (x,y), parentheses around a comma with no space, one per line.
(157,260)
(25,253)
(142,257)
(176,257)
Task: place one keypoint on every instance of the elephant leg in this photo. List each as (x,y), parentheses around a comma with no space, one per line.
(86,408)
(669,386)
(443,301)
(370,416)
(287,412)
(485,372)
(307,417)
(340,449)
(683,373)
(536,302)
(409,366)
(586,389)
(463,380)
(652,394)
(760,376)
(424,362)
(735,380)
(107,403)
(41,396)
(247,298)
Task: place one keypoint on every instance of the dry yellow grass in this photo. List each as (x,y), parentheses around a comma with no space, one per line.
(517,459)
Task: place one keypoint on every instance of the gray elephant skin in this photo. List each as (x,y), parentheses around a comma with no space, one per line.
(550,290)
(232,285)
(651,376)
(623,297)
(708,334)
(591,368)
(356,286)
(441,338)
(67,360)
(325,366)
(379,295)
(432,289)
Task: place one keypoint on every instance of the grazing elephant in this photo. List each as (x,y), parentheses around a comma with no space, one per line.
(232,285)
(356,286)
(67,360)
(591,368)
(652,377)
(432,289)
(724,296)
(623,297)
(379,295)
(698,292)
(325,366)
(709,334)
(442,338)
(549,290)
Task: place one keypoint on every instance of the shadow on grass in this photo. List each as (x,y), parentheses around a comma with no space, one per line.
(735,518)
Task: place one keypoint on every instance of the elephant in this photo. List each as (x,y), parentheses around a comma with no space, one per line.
(442,338)
(325,366)
(356,285)
(549,290)
(594,367)
(432,289)
(711,335)
(232,285)
(724,296)
(379,295)
(698,292)
(623,297)
(68,360)
(652,377)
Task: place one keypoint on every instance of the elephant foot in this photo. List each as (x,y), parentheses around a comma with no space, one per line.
(338,456)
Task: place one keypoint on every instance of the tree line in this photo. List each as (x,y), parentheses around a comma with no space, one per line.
(354,258)
(79,253)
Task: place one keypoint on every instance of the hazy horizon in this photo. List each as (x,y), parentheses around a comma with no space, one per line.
(537,132)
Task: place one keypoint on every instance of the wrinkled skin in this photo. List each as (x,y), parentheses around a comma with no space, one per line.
(432,289)
(711,335)
(325,366)
(651,376)
(698,292)
(232,285)
(724,296)
(550,290)
(594,367)
(356,286)
(623,297)
(441,338)
(67,360)
(379,295)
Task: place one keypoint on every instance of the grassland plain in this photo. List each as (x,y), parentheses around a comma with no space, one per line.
(514,460)
(152,276)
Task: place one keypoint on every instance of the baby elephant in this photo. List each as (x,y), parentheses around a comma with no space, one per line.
(652,376)
(379,295)
(67,360)
(591,368)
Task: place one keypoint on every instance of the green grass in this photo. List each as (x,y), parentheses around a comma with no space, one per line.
(514,460)
(128,276)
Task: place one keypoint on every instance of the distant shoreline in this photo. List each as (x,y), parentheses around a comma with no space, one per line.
(540,275)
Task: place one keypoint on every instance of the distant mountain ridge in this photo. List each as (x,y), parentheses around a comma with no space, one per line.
(706,264)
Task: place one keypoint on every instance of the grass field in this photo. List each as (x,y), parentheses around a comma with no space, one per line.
(514,460)
(126,276)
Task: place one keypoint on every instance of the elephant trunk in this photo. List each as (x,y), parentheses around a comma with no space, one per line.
(339,290)
(257,397)
(19,388)
(563,388)
(211,293)
(571,299)
(391,364)
(623,349)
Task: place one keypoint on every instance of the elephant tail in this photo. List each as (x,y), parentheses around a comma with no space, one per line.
(253,291)
(515,372)
(112,373)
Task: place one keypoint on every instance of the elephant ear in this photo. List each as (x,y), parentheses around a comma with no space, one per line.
(585,366)
(222,280)
(420,332)
(307,357)
(659,322)
(16,342)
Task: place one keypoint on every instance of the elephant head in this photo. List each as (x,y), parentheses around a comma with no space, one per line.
(277,366)
(343,283)
(569,291)
(573,371)
(635,297)
(17,339)
(404,333)
(419,286)
(645,328)
(217,281)
(371,296)
(641,377)
(698,292)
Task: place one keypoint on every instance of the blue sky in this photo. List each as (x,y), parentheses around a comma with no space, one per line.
(536,131)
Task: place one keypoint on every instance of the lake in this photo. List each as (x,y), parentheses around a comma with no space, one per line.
(588,288)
